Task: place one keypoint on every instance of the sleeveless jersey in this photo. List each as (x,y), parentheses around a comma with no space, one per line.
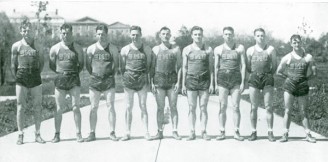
(198,61)
(136,60)
(67,59)
(261,61)
(102,61)
(297,69)
(166,61)
(27,57)
(229,59)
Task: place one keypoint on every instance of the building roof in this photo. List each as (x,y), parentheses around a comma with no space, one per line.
(118,25)
(86,20)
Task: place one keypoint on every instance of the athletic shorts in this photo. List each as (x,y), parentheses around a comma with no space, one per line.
(229,78)
(134,80)
(67,81)
(199,82)
(297,87)
(260,80)
(165,80)
(28,78)
(102,83)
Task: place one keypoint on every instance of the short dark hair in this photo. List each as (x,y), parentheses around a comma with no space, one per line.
(66,26)
(228,28)
(102,27)
(24,24)
(134,27)
(165,28)
(295,36)
(196,28)
(259,29)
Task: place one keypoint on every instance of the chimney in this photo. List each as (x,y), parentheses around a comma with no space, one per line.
(56,11)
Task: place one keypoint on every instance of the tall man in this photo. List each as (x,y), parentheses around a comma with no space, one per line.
(165,80)
(66,59)
(135,65)
(230,69)
(262,64)
(197,79)
(26,65)
(102,63)
(297,67)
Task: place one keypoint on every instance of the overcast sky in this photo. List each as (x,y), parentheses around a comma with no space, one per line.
(280,18)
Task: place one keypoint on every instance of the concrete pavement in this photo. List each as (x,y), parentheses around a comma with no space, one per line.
(168,149)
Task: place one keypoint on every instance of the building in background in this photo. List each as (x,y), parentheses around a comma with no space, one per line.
(118,28)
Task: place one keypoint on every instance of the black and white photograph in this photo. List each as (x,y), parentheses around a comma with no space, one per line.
(163,81)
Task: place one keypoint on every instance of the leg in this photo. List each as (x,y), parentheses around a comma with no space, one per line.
(142,95)
(268,104)
(192,101)
(303,103)
(110,98)
(75,95)
(203,100)
(36,93)
(160,100)
(60,102)
(289,99)
(129,95)
(173,98)
(235,98)
(223,101)
(94,99)
(254,96)
(21,93)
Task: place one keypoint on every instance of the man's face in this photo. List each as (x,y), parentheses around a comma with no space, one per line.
(259,37)
(165,35)
(101,36)
(228,35)
(197,36)
(296,44)
(66,35)
(27,33)
(135,36)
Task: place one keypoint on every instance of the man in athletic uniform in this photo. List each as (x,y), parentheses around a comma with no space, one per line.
(230,69)
(297,67)
(66,59)
(135,65)
(102,63)
(197,79)
(26,66)
(165,80)
(262,64)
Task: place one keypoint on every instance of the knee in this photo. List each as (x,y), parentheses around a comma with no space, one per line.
(223,107)
(203,109)
(236,109)
(94,109)
(287,111)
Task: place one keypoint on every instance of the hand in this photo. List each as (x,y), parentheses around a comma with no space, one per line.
(153,89)
(211,90)
(217,90)
(241,88)
(184,90)
(176,88)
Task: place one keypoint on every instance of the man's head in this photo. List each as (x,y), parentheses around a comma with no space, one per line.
(197,34)
(259,35)
(135,34)
(66,33)
(296,42)
(26,30)
(228,34)
(165,34)
(102,33)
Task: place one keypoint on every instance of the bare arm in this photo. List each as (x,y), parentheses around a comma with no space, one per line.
(88,61)
(122,60)
(311,71)
(243,64)
(249,59)
(116,59)
(211,66)
(81,58)
(216,65)
(14,61)
(153,65)
(52,58)
(274,61)
(282,66)
(179,65)
(184,69)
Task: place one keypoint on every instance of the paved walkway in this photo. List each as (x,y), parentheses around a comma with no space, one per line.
(168,149)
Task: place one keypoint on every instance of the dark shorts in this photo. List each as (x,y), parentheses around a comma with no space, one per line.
(28,78)
(102,83)
(229,79)
(134,80)
(199,82)
(165,80)
(67,82)
(297,87)
(260,80)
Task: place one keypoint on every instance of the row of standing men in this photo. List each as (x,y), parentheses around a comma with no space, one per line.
(198,71)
